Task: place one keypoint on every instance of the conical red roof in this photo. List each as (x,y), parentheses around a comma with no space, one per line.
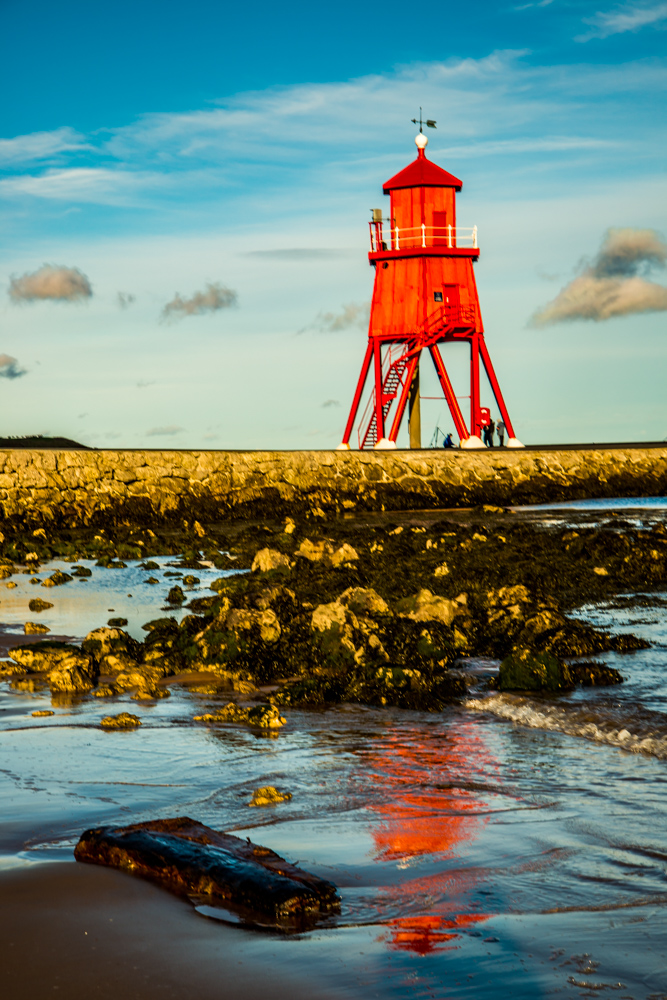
(422,173)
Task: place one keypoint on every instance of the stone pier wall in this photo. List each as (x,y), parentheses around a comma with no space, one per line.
(92,487)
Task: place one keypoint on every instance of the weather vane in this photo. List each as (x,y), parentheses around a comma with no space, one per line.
(429,122)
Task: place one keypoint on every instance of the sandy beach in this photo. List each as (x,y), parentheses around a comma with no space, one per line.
(79,931)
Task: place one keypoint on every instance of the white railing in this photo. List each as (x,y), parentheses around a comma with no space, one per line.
(413,237)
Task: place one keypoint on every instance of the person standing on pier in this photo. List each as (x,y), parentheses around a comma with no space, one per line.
(500,431)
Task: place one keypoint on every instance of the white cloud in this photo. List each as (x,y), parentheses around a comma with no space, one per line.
(97,185)
(40,146)
(53,282)
(214,297)
(628,17)
(610,285)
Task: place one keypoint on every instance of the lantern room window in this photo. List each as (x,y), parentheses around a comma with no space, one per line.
(437,296)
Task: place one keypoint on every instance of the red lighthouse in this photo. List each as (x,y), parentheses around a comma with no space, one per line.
(424,296)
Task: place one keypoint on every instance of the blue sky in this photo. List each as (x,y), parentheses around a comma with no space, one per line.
(163,149)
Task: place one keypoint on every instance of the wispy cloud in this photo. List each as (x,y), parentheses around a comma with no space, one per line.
(328,403)
(168,431)
(611,284)
(214,297)
(10,368)
(51,282)
(351,315)
(95,185)
(40,146)
(627,17)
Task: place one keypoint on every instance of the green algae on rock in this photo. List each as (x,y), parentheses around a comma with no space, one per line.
(526,670)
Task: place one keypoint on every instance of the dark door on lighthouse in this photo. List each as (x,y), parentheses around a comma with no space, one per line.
(440,231)
(452,303)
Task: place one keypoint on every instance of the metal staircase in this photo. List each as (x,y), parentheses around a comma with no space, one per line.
(392,379)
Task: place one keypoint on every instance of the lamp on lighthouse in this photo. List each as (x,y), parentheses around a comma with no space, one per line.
(424,297)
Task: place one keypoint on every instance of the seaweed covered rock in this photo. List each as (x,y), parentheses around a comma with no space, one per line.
(594,674)
(267,560)
(263,716)
(37,604)
(66,667)
(124,720)
(57,579)
(527,670)
(268,796)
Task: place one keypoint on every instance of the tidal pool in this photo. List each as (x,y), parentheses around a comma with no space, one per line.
(475,856)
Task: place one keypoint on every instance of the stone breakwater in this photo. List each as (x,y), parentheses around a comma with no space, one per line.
(74,488)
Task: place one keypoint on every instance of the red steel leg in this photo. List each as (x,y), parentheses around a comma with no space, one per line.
(475,421)
(357,396)
(402,403)
(448,390)
(379,412)
(491,375)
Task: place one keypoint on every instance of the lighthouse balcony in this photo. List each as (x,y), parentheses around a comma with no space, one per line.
(445,238)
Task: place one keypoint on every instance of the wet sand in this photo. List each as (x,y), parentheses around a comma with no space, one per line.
(79,931)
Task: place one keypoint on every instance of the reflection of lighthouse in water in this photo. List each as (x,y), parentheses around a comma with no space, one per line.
(431,811)
(425,296)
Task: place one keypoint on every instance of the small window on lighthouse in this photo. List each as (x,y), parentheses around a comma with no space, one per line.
(437,296)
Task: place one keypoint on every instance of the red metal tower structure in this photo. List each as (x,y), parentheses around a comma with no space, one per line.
(424,296)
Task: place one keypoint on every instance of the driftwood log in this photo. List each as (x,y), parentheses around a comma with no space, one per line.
(193,860)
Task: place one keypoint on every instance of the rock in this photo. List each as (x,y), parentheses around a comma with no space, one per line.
(57,579)
(176,596)
(269,559)
(507,596)
(11,585)
(600,571)
(314,551)
(364,601)
(327,616)
(324,552)
(240,620)
(67,668)
(34,628)
(594,674)
(194,860)
(268,796)
(5,573)
(81,571)
(525,670)
(441,570)
(344,554)
(119,622)
(42,713)
(124,720)
(290,526)
(263,716)
(149,564)
(152,579)
(190,580)
(428,607)
(107,640)
(198,530)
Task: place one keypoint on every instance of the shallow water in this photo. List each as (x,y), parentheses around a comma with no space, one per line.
(475,856)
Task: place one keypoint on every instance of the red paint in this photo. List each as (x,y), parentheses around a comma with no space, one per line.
(425,295)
